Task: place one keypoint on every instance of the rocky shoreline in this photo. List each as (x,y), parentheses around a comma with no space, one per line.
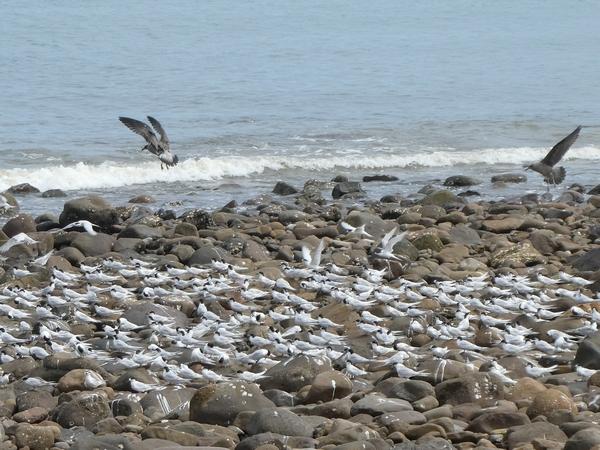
(206,330)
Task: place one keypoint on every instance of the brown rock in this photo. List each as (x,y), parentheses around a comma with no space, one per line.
(328,386)
(548,401)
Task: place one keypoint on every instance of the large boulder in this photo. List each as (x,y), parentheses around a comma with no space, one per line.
(584,439)
(84,410)
(440,198)
(471,388)
(22,223)
(588,352)
(460,181)
(524,434)
(23,188)
(509,178)
(219,404)
(97,245)
(522,254)
(588,262)
(374,225)
(92,208)
(327,386)
(280,421)
(548,401)
(199,218)
(345,188)
(292,374)
(283,188)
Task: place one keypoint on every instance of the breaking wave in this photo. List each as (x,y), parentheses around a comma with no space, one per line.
(112,174)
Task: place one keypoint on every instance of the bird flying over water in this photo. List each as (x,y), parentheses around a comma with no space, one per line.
(555,175)
(161,148)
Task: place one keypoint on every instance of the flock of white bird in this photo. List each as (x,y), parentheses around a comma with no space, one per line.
(260,321)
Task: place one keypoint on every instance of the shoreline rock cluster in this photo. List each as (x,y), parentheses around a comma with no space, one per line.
(206,330)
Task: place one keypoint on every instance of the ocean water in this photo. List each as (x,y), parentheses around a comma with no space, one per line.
(254,92)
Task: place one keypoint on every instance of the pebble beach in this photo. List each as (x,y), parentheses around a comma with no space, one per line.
(276,322)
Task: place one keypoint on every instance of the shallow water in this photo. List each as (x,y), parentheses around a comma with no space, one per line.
(252,93)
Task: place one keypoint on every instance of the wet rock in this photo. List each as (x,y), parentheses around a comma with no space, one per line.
(509,178)
(588,262)
(292,374)
(548,401)
(460,181)
(22,223)
(144,198)
(345,188)
(440,198)
(266,440)
(54,193)
(327,386)
(471,388)
(375,405)
(92,208)
(283,188)
(290,216)
(220,404)
(84,410)
(97,245)
(343,431)
(22,189)
(199,218)
(280,421)
(385,178)
(125,407)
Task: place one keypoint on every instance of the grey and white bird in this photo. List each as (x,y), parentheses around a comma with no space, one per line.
(545,167)
(85,224)
(161,148)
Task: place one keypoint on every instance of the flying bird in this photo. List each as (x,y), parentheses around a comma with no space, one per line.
(555,175)
(161,148)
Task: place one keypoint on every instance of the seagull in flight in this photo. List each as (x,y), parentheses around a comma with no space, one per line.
(161,148)
(545,167)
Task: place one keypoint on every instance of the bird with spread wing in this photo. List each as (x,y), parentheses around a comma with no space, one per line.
(545,167)
(159,147)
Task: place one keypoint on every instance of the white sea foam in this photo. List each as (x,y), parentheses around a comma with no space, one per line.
(112,174)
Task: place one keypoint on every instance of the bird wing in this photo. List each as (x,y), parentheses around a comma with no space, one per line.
(346,226)
(143,130)
(306,255)
(389,246)
(559,150)
(316,256)
(388,236)
(164,139)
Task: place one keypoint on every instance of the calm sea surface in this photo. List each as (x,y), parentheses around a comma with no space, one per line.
(253,92)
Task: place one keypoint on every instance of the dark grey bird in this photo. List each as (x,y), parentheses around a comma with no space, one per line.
(160,148)
(555,175)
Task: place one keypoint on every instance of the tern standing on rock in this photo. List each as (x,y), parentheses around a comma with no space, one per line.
(161,148)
